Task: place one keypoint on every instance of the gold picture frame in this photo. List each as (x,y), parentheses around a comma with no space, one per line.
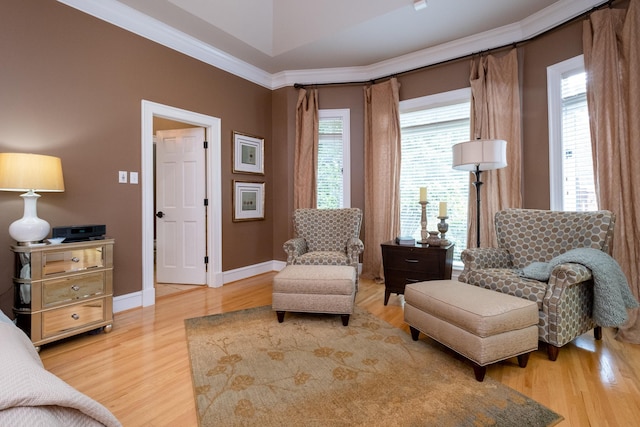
(248,201)
(248,154)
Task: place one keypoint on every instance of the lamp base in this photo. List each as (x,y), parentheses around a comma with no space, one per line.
(29,229)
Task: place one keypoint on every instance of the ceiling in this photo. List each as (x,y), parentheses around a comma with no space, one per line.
(305,37)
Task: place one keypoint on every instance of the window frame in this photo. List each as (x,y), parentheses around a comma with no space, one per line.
(434,101)
(345,115)
(555,74)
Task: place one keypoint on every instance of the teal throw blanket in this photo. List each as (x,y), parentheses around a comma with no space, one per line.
(611,294)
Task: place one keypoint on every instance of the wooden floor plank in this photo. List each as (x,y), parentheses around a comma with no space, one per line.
(141,372)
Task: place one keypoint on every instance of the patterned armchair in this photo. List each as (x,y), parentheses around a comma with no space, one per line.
(325,237)
(526,236)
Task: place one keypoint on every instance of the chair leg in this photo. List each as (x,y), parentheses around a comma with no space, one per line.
(597,332)
(523,359)
(552,352)
(415,334)
(479,371)
(280,315)
(345,319)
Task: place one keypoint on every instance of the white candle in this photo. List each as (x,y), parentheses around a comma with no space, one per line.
(423,194)
(443,209)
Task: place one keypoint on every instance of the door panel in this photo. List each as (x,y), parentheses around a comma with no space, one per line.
(181,214)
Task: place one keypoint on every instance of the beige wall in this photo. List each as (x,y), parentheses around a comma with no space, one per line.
(71,86)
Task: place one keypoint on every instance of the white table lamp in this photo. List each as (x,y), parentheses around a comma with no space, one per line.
(477,156)
(30,173)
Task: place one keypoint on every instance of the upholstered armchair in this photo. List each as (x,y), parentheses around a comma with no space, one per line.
(325,237)
(526,236)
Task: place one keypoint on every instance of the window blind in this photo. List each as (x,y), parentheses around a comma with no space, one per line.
(577,164)
(428,136)
(330,168)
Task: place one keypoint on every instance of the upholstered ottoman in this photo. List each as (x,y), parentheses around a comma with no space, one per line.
(315,289)
(482,325)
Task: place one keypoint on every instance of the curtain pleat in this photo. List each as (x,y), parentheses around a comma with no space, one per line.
(382,172)
(496,114)
(612,61)
(306,150)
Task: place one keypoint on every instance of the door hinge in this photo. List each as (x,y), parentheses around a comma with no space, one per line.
(206,202)
(206,260)
(206,144)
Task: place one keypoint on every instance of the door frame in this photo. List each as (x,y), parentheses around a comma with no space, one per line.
(212,126)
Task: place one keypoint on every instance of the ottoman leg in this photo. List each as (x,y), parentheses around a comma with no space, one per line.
(415,334)
(479,371)
(345,319)
(280,315)
(523,359)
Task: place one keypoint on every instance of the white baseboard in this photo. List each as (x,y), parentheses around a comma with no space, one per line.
(140,298)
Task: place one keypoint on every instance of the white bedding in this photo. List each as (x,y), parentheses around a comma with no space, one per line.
(32,396)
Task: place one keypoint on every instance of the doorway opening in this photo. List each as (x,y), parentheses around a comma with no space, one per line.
(212,126)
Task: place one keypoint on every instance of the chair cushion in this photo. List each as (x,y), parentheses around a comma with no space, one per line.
(323,258)
(508,282)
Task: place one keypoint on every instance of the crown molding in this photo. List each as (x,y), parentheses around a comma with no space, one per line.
(132,20)
(138,23)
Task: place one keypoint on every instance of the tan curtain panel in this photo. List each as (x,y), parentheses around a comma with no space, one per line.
(306,150)
(496,114)
(382,172)
(611,39)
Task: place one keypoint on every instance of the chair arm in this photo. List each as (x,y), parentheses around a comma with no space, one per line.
(354,248)
(294,248)
(480,258)
(568,303)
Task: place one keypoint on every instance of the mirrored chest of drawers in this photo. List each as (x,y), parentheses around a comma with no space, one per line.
(64,289)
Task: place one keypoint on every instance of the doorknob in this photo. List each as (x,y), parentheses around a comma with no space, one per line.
(160,214)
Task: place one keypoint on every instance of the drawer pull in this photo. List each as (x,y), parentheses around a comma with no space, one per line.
(411,280)
(75,287)
(75,259)
(74,316)
(412,260)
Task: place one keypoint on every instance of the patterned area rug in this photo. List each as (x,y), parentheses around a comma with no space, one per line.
(248,369)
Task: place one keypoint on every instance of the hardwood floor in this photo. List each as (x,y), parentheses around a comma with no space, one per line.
(140,371)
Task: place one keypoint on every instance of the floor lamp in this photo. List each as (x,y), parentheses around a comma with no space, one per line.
(477,156)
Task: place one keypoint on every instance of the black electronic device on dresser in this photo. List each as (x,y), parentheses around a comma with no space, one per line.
(79,233)
(405,264)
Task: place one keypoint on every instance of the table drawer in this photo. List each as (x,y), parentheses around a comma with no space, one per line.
(412,261)
(75,316)
(71,260)
(72,288)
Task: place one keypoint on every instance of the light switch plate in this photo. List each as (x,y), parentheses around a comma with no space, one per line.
(122,177)
(133,177)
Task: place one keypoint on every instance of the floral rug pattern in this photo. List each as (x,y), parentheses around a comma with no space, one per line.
(248,369)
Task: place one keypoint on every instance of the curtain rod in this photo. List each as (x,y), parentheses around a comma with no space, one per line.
(608,3)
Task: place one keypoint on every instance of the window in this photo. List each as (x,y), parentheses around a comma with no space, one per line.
(570,162)
(430,126)
(333,184)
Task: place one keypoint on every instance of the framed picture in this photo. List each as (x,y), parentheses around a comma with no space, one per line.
(248,154)
(248,201)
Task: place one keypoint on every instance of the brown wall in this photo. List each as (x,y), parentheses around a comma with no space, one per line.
(71,86)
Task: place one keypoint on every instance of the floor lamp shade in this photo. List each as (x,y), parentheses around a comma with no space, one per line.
(485,154)
(30,173)
(477,156)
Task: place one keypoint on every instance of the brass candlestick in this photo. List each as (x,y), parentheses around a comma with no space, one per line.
(423,223)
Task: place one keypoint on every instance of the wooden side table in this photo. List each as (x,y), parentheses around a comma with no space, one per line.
(404,264)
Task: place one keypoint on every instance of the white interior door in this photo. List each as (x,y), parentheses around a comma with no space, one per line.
(180,207)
